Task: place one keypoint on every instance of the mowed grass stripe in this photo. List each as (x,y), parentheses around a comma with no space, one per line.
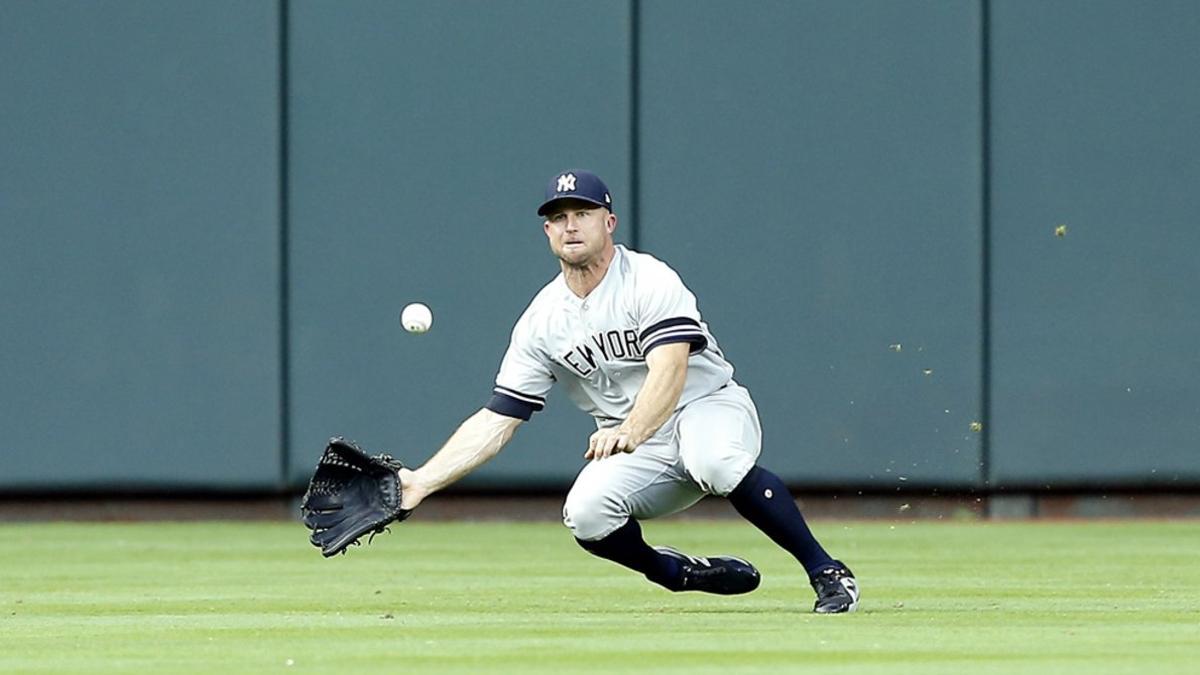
(1102,597)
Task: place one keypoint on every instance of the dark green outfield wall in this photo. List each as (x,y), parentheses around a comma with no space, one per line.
(421,137)
(1095,371)
(817,183)
(139,244)
(212,213)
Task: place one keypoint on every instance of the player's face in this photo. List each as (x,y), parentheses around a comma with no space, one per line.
(579,232)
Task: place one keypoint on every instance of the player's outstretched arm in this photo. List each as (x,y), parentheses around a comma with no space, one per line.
(478,439)
(667,372)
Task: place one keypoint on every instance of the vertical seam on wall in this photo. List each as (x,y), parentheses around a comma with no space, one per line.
(634,120)
(284,251)
(985,129)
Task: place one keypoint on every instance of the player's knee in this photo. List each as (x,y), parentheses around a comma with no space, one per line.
(591,516)
(718,471)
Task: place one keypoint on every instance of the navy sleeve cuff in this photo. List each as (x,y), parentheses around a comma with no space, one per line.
(698,343)
(678,329)
(512,403)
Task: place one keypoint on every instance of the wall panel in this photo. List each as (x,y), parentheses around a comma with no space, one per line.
(138,245)
(422,137)
(813,170)
(1094,126)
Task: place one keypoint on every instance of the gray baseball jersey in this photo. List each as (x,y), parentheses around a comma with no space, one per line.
(596,347)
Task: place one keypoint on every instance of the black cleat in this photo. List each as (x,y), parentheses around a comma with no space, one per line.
(837,591)
(723,575)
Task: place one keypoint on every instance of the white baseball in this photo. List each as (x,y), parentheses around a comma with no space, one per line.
(416,318)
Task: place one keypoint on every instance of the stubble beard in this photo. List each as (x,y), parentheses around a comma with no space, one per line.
(582,264)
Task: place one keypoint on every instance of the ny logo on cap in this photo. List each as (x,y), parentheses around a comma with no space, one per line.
(566,183)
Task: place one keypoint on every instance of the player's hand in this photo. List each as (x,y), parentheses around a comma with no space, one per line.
(608,442)
(411,492)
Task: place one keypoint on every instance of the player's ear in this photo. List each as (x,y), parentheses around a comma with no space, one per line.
(610,222)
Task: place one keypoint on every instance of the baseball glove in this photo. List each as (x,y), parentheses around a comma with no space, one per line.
(351,493)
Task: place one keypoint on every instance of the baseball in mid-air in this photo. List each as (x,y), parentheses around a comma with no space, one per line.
(416,318)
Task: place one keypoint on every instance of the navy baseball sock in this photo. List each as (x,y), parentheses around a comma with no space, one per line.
(625,546)
(764,500)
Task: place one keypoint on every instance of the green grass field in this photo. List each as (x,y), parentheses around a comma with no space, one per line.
(963,597)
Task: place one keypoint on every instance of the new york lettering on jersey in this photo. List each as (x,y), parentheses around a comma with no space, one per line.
(610,345)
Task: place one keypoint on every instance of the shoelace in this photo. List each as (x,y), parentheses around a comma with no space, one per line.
(828,584)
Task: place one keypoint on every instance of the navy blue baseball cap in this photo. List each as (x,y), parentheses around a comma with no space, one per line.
(582,185)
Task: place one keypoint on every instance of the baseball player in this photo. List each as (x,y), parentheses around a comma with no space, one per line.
(620,332)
